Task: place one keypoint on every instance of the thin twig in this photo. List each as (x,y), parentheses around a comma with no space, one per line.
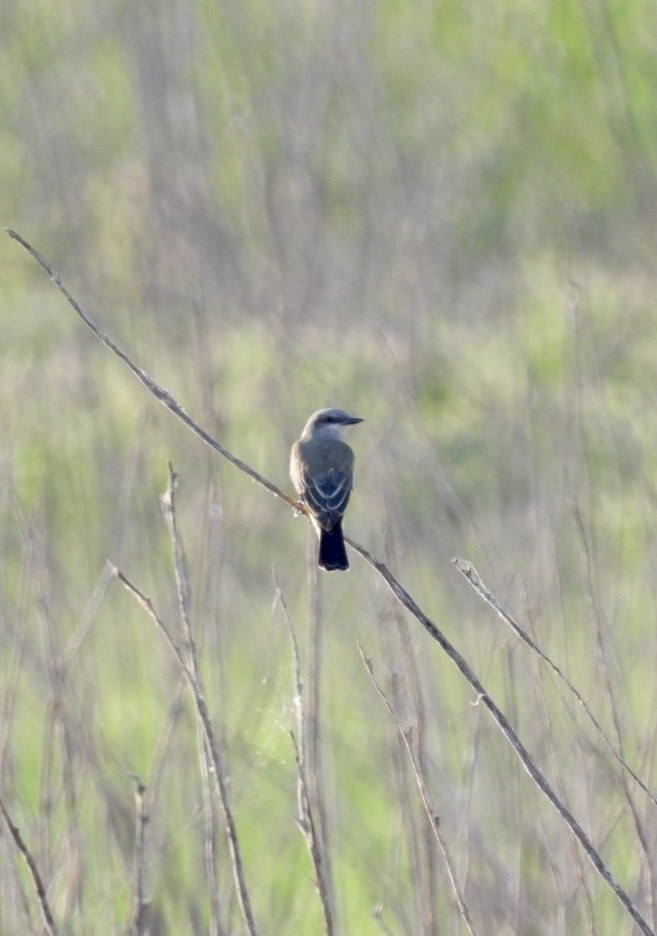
(140,907)
(470,573)
(183,586)
(406,695)
(159,392)
(502,722)
(184,591)
(305,818)
(210,856)
(206,721)
(39,887)
(313,723)
(603,667)
(432,815)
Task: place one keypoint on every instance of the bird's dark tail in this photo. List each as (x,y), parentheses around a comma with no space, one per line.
(332,554)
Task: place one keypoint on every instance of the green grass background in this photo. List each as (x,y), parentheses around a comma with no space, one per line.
(442,217)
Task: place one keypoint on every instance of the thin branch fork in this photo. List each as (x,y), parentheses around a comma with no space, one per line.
(472,576)
(206,721)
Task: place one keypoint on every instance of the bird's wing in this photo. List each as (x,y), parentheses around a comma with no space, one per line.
(327,495)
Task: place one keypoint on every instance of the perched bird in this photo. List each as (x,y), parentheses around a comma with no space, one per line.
(321,468)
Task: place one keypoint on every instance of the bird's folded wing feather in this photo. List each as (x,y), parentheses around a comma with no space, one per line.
(327,494)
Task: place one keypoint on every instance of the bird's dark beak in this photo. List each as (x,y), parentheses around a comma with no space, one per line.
(353,420)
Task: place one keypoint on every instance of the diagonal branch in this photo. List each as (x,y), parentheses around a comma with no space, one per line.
(432,815)
(507,730)
(37,880)
(398,591)
(189,672)
(468,570)
(158,392)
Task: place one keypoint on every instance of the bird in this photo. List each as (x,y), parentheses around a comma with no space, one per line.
(321,468)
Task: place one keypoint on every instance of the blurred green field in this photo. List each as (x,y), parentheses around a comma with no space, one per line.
(442,218)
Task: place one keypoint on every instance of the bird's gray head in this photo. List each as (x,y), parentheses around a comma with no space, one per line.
(329,423)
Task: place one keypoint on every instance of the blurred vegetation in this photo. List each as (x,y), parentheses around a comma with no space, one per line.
(442,217)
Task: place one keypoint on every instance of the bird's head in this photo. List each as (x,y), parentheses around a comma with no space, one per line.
(329,423)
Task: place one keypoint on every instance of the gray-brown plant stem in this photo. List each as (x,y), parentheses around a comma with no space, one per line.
(470,573)
(305,816)
(204,716)
(503,724)
(597,620)
(313,747)
(42,897)
(158,392)
(432,815)
(405,695)
(184,591)
(140,908)
(183,586)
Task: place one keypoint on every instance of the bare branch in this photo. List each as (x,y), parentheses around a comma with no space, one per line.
(500,719)
(305,818)
(184,590)
(158,392)
(183,586)
(140,908)
(202,711)
(434,819)
(39,887)
(470,573)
